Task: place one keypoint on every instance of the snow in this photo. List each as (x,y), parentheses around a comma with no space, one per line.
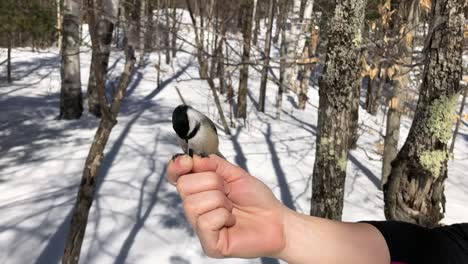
(137,216)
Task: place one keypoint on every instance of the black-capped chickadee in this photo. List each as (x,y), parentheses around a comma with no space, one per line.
(196,133)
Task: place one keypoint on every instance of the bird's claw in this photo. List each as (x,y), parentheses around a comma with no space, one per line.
(177,155)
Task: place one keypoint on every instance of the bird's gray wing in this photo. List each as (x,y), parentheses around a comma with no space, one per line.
(211,124)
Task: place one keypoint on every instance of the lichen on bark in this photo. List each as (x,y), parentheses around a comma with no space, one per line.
(440,117)
(433,161)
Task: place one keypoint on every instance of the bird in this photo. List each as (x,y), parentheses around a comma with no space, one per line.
(196,133)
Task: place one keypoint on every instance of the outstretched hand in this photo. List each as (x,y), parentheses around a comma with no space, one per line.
(233,213)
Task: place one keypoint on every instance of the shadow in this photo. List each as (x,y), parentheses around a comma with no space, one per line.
(286,196)
(53,252)
(135,107)
(239,159)
(24,68)
(293,102)
(365,170)
(141,218)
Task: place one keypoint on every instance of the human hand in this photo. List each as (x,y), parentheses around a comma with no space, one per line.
(233,213)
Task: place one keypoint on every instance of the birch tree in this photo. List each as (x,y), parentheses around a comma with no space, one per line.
(95,156)
(71,98)
(341,73)
(415,188)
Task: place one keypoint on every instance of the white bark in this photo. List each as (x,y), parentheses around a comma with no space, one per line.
(292,36)
(71,99)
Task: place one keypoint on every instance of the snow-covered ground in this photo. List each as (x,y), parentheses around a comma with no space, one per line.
(137,216)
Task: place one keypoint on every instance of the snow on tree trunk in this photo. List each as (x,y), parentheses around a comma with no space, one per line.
(247,10)
(71,98)
(415,188)
(341,74)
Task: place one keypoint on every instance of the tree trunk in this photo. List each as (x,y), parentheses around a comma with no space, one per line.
(283,52)
(266,63)
(281,6)
(71,98)
(293,35)
(59,25)
(256,14)
(93,164)
(9,61)
(174,29)
(204,74)
(101,28)
(341,74)
(143,24)
(404,18)
(415,188)
(247,7)
(460,116)
(309,49)
(167,42)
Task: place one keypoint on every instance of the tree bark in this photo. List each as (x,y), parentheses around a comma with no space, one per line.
(256,14)
(283,52)
(93,163)
(309,49)
(402,26)
(101,28)
(247,7)
(415,188)
(293,46)
(341,74)
(266,63)
(174,29)
(71,98)
(9,61)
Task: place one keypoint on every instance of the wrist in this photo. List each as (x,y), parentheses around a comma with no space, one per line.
(298,230)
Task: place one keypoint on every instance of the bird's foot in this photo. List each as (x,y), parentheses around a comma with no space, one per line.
(203,155)
(177,155)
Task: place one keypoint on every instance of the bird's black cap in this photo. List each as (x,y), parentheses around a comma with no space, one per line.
(180,122)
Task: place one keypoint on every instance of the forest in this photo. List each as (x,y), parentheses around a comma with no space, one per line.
(347,110)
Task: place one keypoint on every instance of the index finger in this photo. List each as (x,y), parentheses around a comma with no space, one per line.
(179,166)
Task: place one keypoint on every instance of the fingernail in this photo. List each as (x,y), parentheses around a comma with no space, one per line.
(182,160)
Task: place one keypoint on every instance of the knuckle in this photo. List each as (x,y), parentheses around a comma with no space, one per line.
(189,205)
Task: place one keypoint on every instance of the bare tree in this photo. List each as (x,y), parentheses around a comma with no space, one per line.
(101,17)
(202,60)
(401,32)
(246,11)
(415,188)
(71,98)
(266,64)
(342,72)
(93,162)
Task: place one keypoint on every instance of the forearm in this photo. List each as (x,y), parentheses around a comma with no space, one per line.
(317,240)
